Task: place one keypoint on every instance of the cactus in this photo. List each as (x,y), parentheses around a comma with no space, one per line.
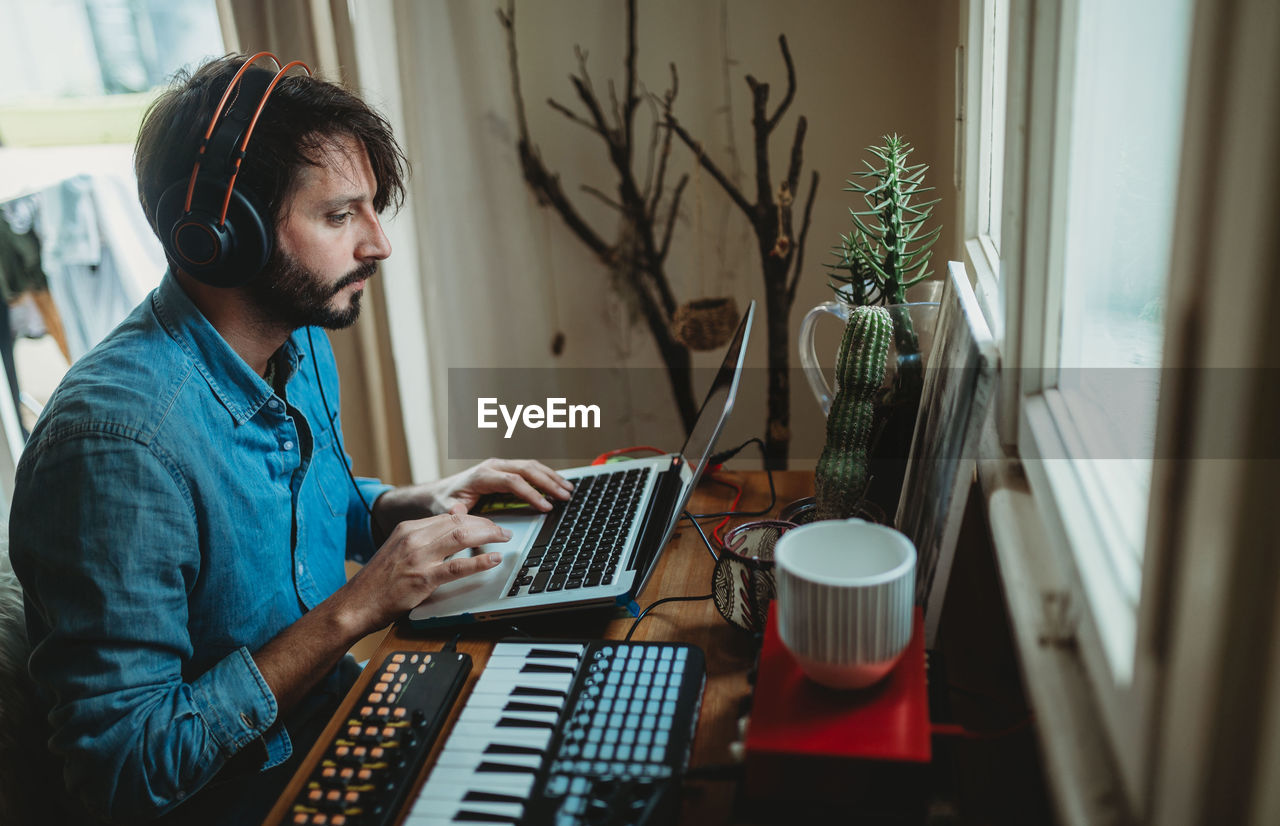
(888,249)
(842,473)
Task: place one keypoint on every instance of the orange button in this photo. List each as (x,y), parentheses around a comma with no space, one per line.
(380,687)
(399,713)
(393,667)
(366,774)
(397,658)
(377,753)
(375,697)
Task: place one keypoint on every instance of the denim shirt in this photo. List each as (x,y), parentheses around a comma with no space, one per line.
(171,515)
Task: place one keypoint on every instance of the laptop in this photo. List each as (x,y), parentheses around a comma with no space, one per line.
(601,547)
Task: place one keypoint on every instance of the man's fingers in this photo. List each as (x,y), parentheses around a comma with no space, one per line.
(461,566)
(515,483)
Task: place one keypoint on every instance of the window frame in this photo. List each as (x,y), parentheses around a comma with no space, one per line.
(1031,418)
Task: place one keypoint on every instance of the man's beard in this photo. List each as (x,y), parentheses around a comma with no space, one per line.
(293,295)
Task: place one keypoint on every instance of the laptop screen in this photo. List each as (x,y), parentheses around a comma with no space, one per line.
(719,403)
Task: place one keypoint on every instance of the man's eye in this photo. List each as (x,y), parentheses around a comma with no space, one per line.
(340,218)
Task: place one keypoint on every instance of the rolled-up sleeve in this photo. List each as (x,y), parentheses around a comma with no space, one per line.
(108,564)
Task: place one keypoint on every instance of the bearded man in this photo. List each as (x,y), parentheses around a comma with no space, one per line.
(184,506)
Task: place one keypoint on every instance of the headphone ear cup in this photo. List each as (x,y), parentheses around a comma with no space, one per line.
(226,254)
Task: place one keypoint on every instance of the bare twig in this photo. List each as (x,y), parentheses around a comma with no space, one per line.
(791,83)
(591,190)
(804,234)
(572,115)
(671,217)
(733,192)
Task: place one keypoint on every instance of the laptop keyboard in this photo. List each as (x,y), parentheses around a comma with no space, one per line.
(581,542)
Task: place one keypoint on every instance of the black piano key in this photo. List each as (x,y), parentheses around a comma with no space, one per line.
(518,722)
(543,668)
(491,797)
(552,654)
(508,748)
(504,768)
(466,816)
(519,706)
(532,691)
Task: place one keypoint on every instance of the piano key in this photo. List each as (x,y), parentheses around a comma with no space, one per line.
(493,742)
(518,785)
(555,682)
(523,649)
(537,738)
(439,800)
(473,759)
(481,713)
(552,702)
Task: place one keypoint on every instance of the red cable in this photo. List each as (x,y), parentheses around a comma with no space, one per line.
(715,532)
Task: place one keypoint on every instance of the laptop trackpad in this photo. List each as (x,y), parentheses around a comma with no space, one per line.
(470,591)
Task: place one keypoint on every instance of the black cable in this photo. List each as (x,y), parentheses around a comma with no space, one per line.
(721,458)
(714,556)
(342,451)
(653,605)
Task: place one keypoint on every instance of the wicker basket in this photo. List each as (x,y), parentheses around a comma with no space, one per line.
(705,323)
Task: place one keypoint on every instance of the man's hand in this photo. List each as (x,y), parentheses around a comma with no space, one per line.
(407,569)
(522,477)
(413,563)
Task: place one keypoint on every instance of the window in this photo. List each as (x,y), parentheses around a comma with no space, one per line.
(1070,212)
(79,75)
(980,145)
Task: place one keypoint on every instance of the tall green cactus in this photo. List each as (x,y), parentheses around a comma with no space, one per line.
(842,475)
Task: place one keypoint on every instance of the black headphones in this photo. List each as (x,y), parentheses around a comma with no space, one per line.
(211,230)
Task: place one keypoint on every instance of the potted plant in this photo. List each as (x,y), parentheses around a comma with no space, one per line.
(886,252)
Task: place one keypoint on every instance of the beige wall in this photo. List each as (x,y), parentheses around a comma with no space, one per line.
(498,270)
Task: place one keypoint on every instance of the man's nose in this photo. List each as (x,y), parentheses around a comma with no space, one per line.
(374,246)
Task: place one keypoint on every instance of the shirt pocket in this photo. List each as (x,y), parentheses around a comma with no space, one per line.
(329,469)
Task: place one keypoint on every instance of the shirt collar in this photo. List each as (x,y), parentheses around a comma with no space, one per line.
(240,390)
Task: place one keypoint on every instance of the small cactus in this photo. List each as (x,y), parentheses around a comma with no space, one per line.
(841,477)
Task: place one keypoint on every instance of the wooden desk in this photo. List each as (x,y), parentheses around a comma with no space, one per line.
(684,570)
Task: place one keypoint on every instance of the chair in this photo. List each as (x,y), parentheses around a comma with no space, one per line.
(953,406)
(30,783)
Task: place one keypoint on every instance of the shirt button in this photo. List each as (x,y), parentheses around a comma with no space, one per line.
(274,404)
(288,445)
(299,567)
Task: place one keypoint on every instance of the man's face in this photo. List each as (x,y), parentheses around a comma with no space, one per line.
(327,245)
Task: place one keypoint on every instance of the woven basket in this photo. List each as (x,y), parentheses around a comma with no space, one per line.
(705,323)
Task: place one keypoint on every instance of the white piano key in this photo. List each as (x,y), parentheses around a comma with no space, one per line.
(499,700)
(478,714)
(471,759)
(513,679)
(510,810)
(522,649)
(537,738)
(519,785)
(490,738)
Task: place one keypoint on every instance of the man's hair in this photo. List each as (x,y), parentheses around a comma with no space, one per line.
(303,117)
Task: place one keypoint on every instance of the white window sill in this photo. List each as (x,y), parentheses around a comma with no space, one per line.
(1080,766)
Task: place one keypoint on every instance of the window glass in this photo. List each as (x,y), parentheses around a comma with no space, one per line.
(1124,133)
